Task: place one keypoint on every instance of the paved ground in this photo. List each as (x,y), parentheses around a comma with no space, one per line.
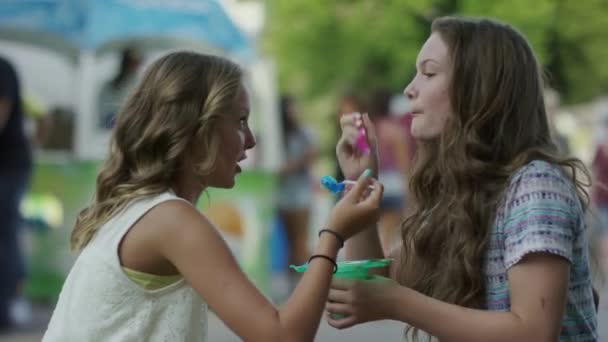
(377,331)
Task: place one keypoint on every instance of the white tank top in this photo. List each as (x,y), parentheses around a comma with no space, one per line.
(98,302)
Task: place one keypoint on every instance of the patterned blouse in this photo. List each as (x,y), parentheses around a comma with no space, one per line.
(541,213)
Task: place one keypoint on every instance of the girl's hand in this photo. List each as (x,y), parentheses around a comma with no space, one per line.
(351,161)
(359,301)
(359,207)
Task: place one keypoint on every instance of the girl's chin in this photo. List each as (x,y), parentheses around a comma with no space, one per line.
(422,133)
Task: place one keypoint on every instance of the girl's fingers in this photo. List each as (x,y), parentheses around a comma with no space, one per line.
(342,283)
(369,127)
(372,201)
(339,309)
(361,186)
(347,120)
(341,322)
(349,134)
(338,296)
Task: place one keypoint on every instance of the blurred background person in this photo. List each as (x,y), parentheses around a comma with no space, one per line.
(58,129)
(599,169)
(295,191)
(552,105)
(114,92)
(15,169)
(393,167)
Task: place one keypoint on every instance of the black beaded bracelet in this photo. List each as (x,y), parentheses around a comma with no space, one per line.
(340,238)
(326,258)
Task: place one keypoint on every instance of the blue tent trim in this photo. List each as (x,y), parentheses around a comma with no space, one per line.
(90,24)
(65,18)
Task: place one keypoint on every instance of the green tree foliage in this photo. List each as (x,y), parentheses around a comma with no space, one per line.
(323,47)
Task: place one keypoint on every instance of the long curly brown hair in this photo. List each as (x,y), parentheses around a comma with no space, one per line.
(499,125)
(175,106)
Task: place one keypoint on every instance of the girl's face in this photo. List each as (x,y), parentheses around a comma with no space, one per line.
(429,91)
(235,138)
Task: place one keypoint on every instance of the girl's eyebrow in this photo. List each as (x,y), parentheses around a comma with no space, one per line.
(427,61)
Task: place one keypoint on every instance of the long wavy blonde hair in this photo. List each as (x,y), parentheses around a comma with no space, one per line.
(499,125)
(174,107)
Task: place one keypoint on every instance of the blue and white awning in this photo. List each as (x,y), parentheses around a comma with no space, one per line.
(91,24)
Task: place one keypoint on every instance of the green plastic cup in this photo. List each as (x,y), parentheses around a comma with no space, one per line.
(351,269)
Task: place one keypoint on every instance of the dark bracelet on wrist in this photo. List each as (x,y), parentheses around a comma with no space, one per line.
(338,237)
(326,258)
